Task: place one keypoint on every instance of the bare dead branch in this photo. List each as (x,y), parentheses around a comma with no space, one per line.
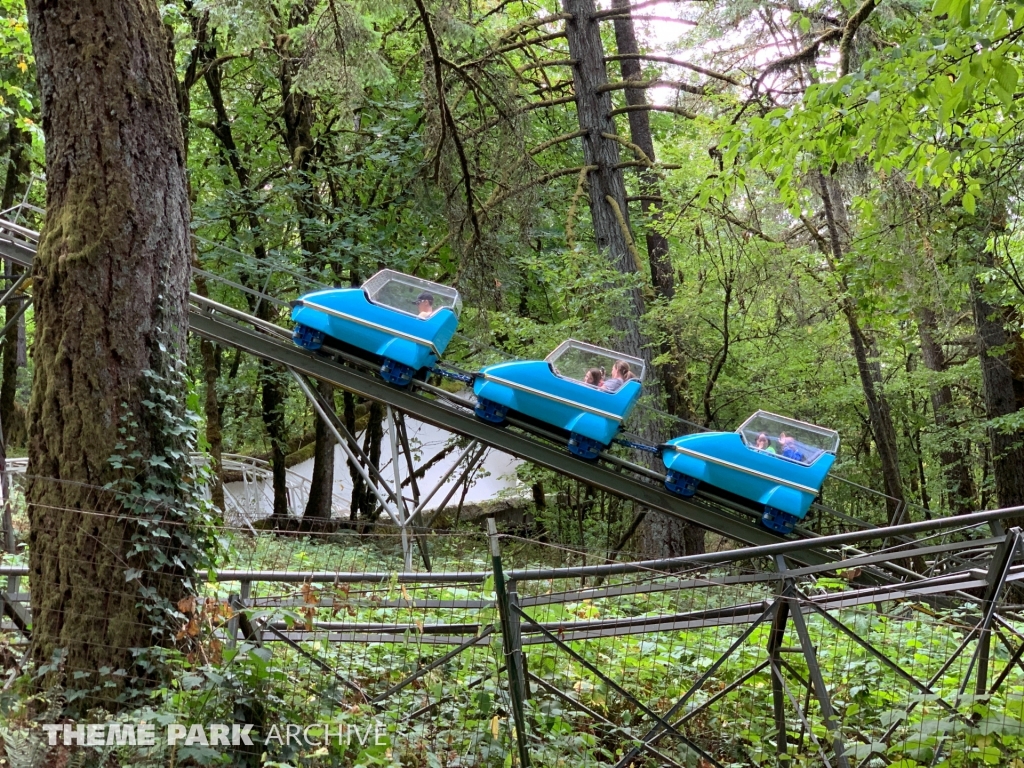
(570,216)
(641,164)
(655,108)
(640,154)
(670,19)
(624,227)
(698,90)
(611,12)
(676,63)
(557,140)
(802,56)
(539,64)
(447,118)
(533,24)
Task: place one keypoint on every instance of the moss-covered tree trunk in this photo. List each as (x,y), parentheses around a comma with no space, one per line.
(15,184)
(111,286)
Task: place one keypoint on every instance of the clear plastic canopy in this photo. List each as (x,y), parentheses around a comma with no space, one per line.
(573,359)
(402,292)
(787,437)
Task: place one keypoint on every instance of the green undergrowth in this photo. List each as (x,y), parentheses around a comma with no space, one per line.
(457,710)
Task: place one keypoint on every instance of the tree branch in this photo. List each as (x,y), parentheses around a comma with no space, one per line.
(570,216)
(540,64)
(640,154)
(803,55)
(640,164)
(846,43)
(654,108)
(611,12)
(698,90)
(637,264)
(675,63)
(447,118)
(671,19)
(557,140)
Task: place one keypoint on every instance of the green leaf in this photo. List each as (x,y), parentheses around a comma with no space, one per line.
(1006,75)
(969,203)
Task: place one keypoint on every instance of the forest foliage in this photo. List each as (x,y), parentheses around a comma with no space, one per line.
(326,140)
(824,223)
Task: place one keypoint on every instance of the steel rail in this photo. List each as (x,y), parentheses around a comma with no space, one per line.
(367,385)
(271,342)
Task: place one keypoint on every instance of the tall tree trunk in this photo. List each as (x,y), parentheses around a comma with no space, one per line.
(209,352)
(111,284)
(15,184)
(869,370)
(1003,390)
(640,135)
(660,535)
(272,386)
(606,187)
(321,484)
(297,111)
(954,457)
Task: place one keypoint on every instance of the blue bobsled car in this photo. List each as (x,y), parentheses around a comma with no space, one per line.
(579,389)
(771,460)
(404,321)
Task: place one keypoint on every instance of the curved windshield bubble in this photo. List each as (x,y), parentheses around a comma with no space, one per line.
(581,362)
(788,438)
(411,295)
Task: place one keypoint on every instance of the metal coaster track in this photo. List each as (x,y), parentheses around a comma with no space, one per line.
(240,330)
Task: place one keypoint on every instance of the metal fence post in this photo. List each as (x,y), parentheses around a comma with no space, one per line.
(509,638)
(775,641)
(238,603)
(518,657)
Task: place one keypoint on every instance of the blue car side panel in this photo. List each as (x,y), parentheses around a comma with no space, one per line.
(439,328)
(537,375)
(729,447)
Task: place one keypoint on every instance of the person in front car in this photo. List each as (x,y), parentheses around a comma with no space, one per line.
(425,305)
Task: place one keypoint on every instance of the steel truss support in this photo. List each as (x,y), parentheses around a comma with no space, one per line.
(410,520)
(775,641)
(475,452)
(998,572)
(400,508)
(579,705)
(818,682)
(662,724)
